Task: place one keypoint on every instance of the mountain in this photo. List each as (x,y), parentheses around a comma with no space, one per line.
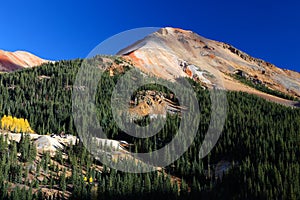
(173,52)
(11,61)
(255,157)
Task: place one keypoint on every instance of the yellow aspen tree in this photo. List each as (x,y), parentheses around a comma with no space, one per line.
(15,125)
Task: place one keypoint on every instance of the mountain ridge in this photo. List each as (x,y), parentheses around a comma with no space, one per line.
(170,53)
(11,61)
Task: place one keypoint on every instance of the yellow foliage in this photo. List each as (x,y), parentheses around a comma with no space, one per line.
(18,125)
(91,180)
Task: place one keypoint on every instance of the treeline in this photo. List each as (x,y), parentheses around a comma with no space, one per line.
(263,88)
(260,139)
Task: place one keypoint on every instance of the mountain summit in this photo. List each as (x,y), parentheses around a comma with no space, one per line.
(11,61)
(172,52)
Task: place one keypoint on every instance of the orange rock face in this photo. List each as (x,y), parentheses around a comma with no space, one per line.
(188,72)
(11,61)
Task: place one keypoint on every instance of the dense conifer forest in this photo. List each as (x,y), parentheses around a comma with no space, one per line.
(260,142)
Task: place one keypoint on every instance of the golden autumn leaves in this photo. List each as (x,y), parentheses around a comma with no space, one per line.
(86,179)
(17,125)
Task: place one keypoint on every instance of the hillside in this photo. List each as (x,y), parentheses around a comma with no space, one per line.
(269,166)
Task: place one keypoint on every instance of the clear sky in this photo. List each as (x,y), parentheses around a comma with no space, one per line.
(71,29)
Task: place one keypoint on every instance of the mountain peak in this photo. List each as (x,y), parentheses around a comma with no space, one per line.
(173,30)
(11,61)
(173,52)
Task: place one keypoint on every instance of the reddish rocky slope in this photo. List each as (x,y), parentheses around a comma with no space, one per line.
(11,61)
(172,52)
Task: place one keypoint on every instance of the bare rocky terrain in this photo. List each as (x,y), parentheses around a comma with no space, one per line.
(171,52)
(11,61)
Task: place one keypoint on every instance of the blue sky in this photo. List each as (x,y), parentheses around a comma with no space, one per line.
(71,29)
